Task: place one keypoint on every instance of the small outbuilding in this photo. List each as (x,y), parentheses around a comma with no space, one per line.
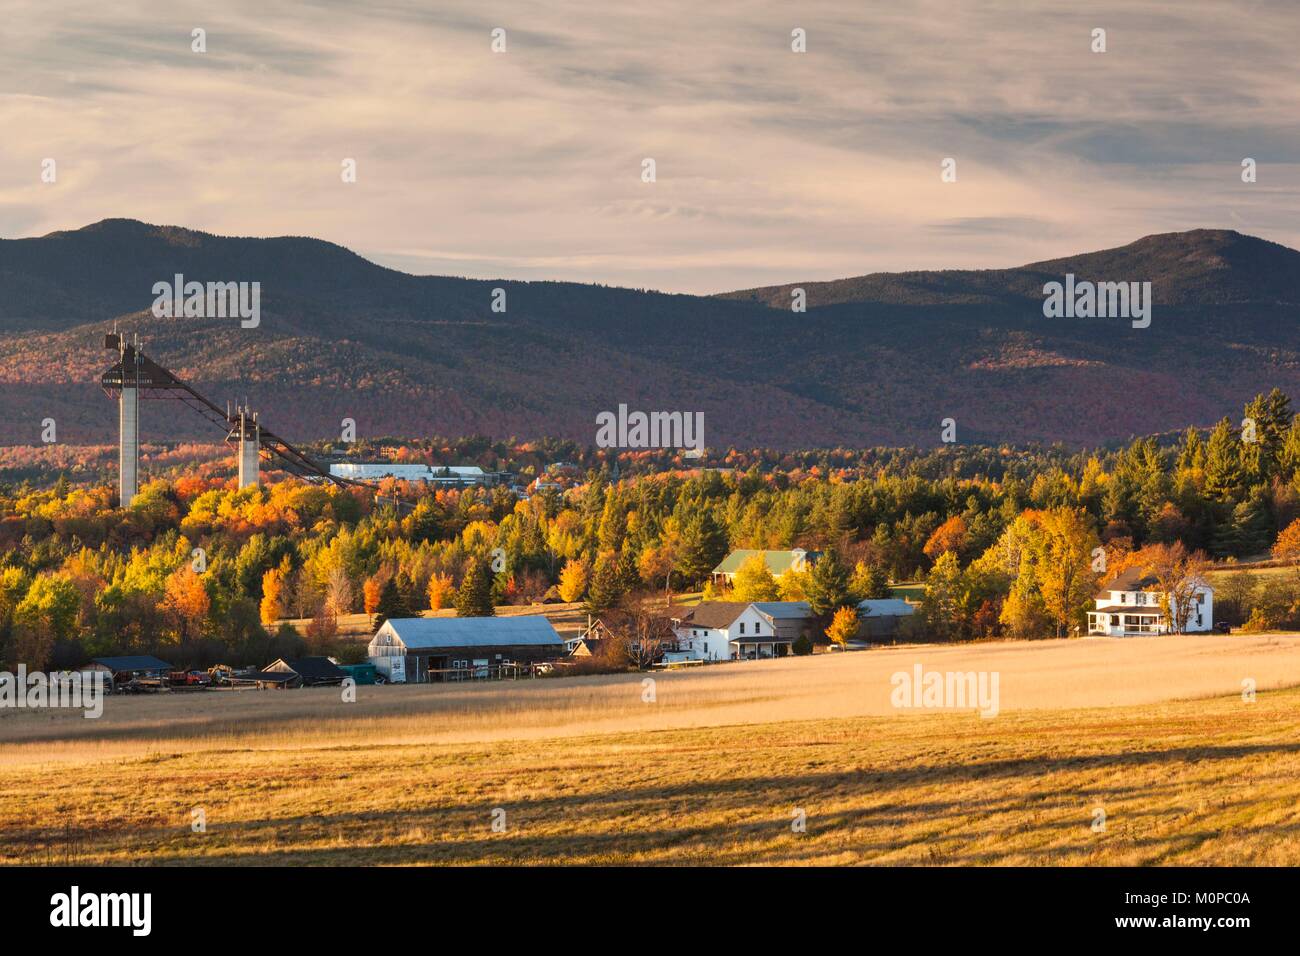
(882,618)
(422,649)
(136,667)
(301,672)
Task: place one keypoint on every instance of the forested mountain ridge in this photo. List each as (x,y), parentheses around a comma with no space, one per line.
(876,360)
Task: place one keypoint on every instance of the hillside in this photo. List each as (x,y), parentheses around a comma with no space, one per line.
(878,359)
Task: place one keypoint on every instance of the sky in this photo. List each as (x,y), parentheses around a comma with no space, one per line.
(771,166)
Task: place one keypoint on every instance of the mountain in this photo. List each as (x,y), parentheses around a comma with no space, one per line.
(878,359)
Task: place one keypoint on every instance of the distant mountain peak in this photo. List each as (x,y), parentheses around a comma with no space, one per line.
(1198,266)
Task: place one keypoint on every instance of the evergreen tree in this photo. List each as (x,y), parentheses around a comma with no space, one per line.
(606,584)
(390,604)
(474,596)
(704,544)
(828,585)
(1223,472)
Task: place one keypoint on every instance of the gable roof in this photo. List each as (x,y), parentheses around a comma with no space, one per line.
(778,562)
(419,633)
(784,610)
(1133,579)
(717,614)
(136,662)
(885,607)
(311,668)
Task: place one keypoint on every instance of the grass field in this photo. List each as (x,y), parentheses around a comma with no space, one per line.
(1153,732)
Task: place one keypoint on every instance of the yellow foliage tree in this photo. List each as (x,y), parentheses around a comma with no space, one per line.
(272,607)
(573,580)
(843,626)
(441,590)
(754,581)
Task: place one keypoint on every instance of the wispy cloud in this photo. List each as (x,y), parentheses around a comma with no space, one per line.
(772,166)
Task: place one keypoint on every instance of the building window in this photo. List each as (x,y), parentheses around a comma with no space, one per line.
(758,628)
(742,627)
(1123,599)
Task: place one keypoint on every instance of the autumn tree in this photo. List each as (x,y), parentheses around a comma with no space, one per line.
(843,626)
(952,535)
(1180,576)
(186,602)
(573,580)
(338,592)
(441,590)
(754,581)
(942,602)
(1063,560)
(272,607)
(656,564)
(869,581)
(1287,546)
(372,590)
(46,614)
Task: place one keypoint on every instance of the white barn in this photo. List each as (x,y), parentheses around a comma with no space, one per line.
(423,649)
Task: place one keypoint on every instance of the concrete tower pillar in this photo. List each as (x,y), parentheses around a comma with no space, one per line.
(250,448)
(128,425)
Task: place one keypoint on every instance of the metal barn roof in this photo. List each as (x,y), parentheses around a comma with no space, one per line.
(784,610)
(778,562)
(885,607)
(137,662)
(418,633)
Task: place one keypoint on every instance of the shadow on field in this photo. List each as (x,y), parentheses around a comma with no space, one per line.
(745,819)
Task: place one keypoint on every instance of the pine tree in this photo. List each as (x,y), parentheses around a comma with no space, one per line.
(1223,472)
(390,603)
(474,596)
(828,585)
(606,584)
(704,544)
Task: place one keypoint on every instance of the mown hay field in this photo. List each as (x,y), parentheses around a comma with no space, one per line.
(1155,734)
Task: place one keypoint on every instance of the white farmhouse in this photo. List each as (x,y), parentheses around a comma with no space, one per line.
(1126,607)
(734,630)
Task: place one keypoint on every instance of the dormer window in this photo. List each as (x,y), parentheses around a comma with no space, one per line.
(1123,598)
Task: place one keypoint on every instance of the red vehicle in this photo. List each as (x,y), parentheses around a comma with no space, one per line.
(189,679)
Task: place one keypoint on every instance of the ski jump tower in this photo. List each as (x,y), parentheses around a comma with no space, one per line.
(128,423)
(136,377)
(248,434)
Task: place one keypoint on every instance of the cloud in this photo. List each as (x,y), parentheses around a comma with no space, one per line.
(772,166)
